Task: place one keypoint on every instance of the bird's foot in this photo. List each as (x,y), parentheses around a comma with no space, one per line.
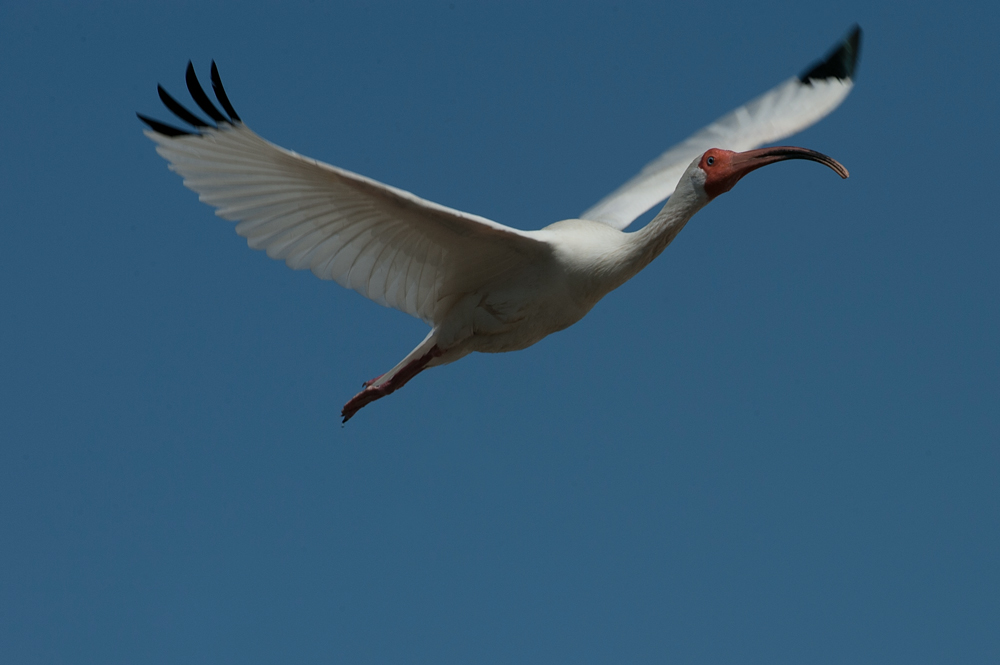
(363,398)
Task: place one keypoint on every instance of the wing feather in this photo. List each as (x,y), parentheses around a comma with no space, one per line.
(385,243)
(780,112)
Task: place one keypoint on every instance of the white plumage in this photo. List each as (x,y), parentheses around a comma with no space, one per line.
(482,286)
(385,243)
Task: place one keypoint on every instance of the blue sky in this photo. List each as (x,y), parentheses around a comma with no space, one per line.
(777,444)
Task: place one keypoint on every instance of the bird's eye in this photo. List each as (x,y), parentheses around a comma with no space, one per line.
(710,160)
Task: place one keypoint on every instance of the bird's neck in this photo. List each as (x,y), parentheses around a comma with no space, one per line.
(644,245)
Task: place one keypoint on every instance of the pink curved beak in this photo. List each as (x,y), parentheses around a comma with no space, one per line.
(735,165)
(745,162)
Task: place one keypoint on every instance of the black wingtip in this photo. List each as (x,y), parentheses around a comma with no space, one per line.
(840,62)
(162,128)
(199,96)
(220,94)
(177,109)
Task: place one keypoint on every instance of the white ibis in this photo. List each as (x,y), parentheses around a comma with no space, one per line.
(480,285)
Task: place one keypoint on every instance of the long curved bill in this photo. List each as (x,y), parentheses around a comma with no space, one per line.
(745,162)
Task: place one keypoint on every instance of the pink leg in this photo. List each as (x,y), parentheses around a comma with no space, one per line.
(372,392)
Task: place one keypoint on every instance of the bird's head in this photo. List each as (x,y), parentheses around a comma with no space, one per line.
(724,168)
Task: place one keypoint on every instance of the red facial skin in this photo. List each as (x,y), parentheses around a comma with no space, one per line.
(724,168)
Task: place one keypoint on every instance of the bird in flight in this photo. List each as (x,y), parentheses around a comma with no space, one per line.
(480,286)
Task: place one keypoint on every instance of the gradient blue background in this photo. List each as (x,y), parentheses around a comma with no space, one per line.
(778,444)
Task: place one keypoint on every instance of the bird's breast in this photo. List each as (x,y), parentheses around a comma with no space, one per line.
(519,308)
(510,319)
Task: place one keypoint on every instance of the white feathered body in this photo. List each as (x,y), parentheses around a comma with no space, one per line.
(482,286)
(587,260)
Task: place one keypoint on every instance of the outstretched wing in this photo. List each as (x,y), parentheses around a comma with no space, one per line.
(782,111)
(385,243)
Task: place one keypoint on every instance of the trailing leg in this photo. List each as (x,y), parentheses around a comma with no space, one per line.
(394,379)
